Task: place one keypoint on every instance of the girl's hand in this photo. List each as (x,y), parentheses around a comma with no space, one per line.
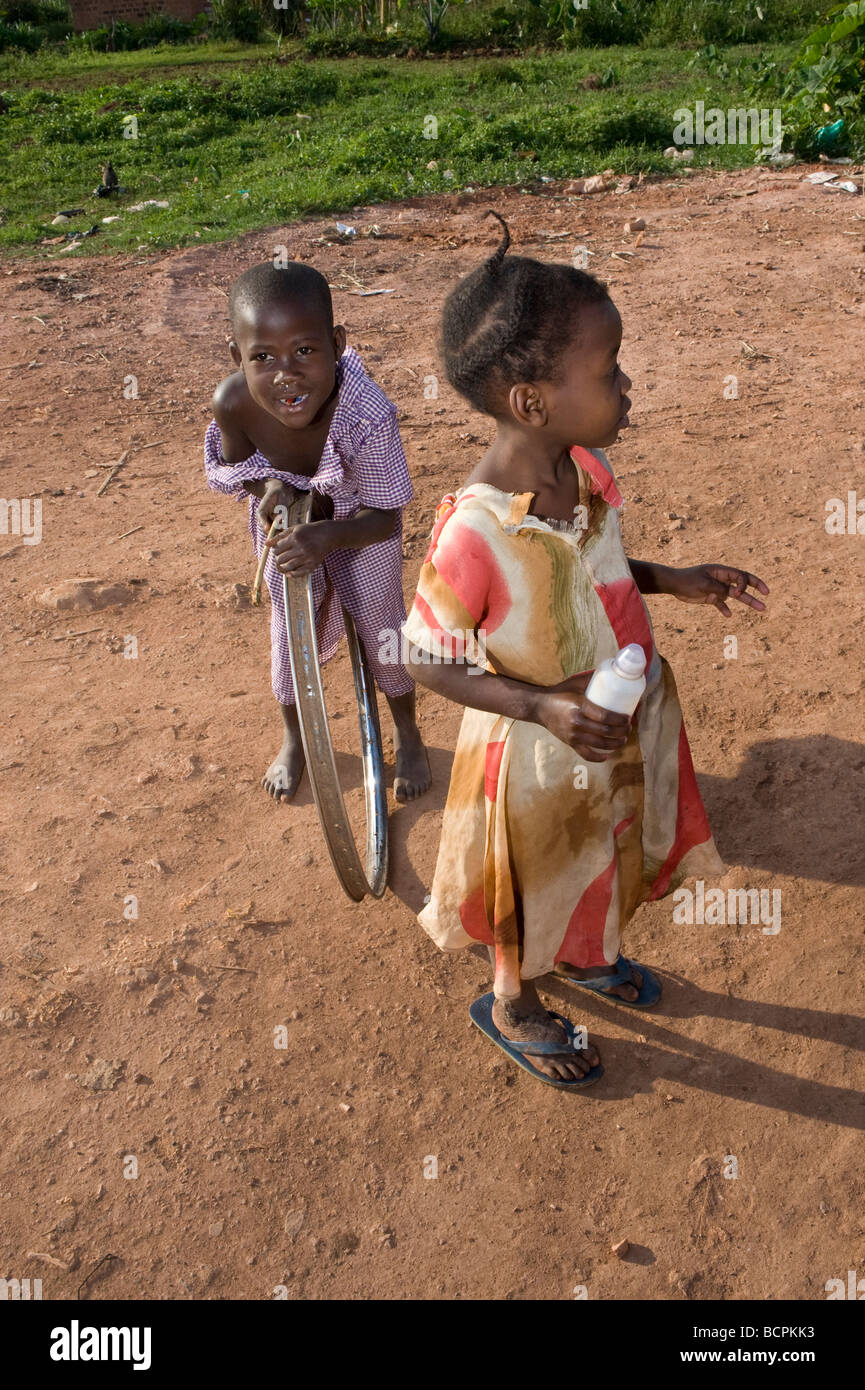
(301,549)
(714,584)
(595,733)
(276,494)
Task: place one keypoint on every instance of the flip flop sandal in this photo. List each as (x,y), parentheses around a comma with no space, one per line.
(481,1014)
(650,990)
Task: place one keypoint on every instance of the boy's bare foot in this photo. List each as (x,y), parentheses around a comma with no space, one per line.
(413,776)
(624,991)
(526,1020)
(282,778)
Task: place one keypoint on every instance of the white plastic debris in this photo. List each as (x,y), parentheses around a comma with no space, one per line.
(345,230)
(148,203)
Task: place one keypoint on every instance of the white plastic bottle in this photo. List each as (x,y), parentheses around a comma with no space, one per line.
(618,683)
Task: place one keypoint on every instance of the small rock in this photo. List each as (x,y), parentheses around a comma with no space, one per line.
(101,1075)
(215,1228)
(295,1015)
(192,1083)
(636,224)
(38,1074)
(346,1109)
(85,595)
(621,1248)
(203,1000)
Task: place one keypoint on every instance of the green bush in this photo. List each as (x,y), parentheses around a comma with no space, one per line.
(824,86)
(236,19)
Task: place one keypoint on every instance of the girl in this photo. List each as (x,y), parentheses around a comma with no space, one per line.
(561,818)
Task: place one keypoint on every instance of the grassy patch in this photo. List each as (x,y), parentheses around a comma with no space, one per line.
(233,146)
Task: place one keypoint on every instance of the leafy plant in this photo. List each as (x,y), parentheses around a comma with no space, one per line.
(824,84)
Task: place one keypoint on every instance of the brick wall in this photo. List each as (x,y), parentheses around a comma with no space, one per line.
(90,14)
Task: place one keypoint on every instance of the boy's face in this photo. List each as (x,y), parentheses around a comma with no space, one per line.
(588,404)
(288,355)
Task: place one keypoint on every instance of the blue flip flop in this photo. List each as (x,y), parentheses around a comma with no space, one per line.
(481,1014)
(650,990)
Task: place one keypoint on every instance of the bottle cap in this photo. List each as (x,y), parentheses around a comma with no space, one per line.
(630,661)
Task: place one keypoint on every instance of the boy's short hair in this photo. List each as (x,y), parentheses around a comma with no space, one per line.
(267,284)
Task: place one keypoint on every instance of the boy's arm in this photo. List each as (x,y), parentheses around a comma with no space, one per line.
(303,548)
(228,451)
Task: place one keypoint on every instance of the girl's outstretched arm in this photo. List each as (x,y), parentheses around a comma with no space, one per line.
(712,584)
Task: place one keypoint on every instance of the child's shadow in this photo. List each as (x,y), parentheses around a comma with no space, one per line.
(794,806)
(403,879)
(670,1056)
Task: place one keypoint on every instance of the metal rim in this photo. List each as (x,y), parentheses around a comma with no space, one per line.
(317,745)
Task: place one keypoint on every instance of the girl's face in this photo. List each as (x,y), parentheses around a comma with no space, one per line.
(589,405)
(288,354)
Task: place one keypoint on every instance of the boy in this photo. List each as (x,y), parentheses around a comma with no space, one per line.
(301,414)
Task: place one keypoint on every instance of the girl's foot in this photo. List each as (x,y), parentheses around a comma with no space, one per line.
(282,778)
(526,1020)
(628,992)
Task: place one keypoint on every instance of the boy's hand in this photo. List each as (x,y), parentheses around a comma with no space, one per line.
(595,733)
(276,494)
(301,549)
(714,584)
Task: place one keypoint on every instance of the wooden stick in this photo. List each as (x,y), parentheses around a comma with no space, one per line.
(64,636)
(259,573)
(113,474)
(127,533)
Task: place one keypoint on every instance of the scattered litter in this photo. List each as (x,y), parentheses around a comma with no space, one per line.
(839,159)
(828,134)
(637,224)
(847,187)
(752,353)
(148,203)
(821,176)
(115,217)
(294,1221)
(373,231)
(366,294)
(345,230)
(781,159)
(433,164)
(625,184)
(671,152)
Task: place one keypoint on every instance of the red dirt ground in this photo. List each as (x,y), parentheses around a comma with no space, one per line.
(304,1167)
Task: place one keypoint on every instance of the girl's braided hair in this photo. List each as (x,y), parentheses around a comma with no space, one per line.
(509,321)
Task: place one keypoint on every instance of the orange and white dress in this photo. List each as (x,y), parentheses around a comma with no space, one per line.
(542,855)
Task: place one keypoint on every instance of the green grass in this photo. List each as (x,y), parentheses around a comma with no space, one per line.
(220,137)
